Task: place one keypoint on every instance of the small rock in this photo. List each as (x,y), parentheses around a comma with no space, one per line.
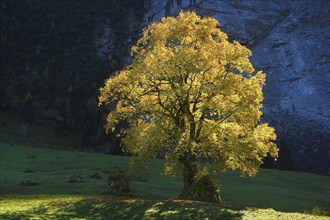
(28,171)
(75,179)
(28,183)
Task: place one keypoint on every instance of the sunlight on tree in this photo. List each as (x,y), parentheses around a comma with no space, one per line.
(194,96)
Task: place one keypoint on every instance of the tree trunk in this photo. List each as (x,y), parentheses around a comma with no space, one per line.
(189,172)
(204,188)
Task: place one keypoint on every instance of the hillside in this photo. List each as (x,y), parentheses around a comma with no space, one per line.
(272,194)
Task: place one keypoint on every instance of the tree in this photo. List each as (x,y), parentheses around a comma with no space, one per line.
(193,95)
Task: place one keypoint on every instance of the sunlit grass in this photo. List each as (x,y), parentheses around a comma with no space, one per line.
(104,208)
(80,207)
(54,198)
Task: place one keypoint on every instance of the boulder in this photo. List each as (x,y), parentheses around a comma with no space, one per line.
(75,179)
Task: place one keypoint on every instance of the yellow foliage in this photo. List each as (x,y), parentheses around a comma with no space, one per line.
(191,92)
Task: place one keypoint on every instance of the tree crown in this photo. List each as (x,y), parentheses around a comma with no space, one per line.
(190,93)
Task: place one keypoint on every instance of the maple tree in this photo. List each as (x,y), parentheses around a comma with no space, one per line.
(194,96)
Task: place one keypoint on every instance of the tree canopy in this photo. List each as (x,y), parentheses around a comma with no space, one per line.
(192,95)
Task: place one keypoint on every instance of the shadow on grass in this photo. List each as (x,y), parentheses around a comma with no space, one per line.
(126,209)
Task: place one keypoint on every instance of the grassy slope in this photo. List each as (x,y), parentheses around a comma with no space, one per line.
(54,198)
(42,135)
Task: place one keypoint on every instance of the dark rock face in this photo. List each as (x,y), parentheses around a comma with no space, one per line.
(290,42)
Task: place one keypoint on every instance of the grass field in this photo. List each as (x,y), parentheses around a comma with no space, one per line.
(272,194)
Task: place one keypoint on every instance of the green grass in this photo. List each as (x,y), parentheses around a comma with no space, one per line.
(272,194)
